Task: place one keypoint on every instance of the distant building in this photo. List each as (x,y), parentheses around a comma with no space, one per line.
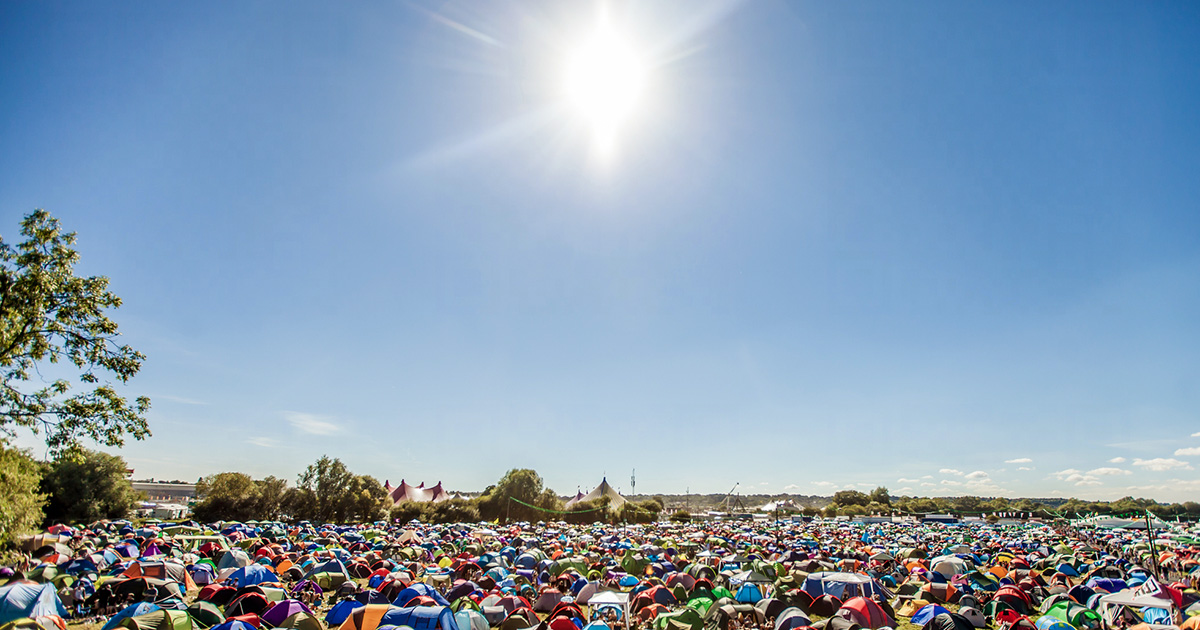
(945,519)
(159,492)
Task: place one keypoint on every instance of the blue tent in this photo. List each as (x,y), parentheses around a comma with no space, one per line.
(421,618)
(234,624)
(749,593)
(132,610)
(332,565)
(418,589)
(341,611)
(252,574)
(26,599)
(927,613)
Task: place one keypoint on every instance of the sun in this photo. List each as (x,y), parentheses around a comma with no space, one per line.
(604,82)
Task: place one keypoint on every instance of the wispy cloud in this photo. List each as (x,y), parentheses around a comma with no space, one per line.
(1109,470)
(1026,468)
(1019,460)
(311,423)
(978,474)
(1159,464)
(1117,460)
(951,471)
(824,484)
(791,486)
(1188,452)
(1196,434)
(903,480)
(264,442)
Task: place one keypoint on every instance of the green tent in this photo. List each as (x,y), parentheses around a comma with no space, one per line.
(700,604)
(158,620)
(1077,615)
(205,614)
(686,619)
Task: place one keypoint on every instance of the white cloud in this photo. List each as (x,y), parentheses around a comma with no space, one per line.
(1159,464)
(1108,470)
(791,486)
(1019,460)
(927,476)
(1188,452)
(1077,477)
(764,483)
(905,489)
(1026,468)
(926,484)
(264,442)
(1083,480)
(1117,460)
(951,471)
(824,484)
(902,480)
(978,474)
(312,424)
(951,482)
(1196,434)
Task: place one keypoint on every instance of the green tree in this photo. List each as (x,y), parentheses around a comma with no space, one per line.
(49,315)
(525,486)
(681,517)
(271,491)
(227,496)
(881,495)
(20,502)
(363,500)
(850,497)
(84,486)
(830,511)
(330,490)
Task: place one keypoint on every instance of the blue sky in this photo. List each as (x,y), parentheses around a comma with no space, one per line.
(942,247)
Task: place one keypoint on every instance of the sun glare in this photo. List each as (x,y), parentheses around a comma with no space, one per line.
(604,81)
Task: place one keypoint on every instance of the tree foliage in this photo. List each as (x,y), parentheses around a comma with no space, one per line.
(20,502)
(526,487)
(328,492)
(850,497)
(49,315)
(227,496)
(84,486)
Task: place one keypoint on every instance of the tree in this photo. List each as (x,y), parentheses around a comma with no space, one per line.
(681,517)
(20,502)
(850,497)
(271,491)
(227,496)
(48,314)
(84,486)
(363,500)
(511,497)
(881,495)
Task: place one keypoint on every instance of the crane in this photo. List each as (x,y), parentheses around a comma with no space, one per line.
(725,501)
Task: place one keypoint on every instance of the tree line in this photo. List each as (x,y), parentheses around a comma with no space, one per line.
(328,492)
(879,501)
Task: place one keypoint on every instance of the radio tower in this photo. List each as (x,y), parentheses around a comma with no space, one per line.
(633,482)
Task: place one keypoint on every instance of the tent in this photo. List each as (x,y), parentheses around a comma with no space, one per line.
(25,599)
(843,585)
(421,618)
(158,620)
(866,613)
